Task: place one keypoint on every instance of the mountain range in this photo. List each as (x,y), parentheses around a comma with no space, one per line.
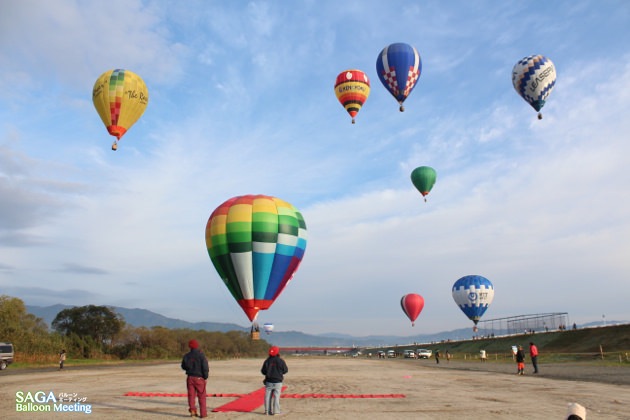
(145,318)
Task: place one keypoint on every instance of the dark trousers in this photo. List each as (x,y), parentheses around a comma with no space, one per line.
(197,390)
(535,363)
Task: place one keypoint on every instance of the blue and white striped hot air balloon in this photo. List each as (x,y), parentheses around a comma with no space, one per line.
(473,294)
(533,78)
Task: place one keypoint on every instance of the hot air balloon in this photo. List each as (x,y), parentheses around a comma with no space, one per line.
(533,78)
(352,88)
(423,178)
(412,305)
(473,294)
(399,67)
(120,98)
(268,327)
(256,243)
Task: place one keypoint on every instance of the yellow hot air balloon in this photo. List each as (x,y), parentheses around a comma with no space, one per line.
(120,98)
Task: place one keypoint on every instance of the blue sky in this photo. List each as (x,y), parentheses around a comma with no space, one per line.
(242,102)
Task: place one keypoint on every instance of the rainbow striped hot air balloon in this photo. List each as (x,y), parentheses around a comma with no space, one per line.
(256,243)
(120,98)
(352,88)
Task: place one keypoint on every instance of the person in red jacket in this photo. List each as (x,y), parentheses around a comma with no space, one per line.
(533,353)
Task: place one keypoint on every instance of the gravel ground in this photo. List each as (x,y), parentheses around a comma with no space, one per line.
(455,390)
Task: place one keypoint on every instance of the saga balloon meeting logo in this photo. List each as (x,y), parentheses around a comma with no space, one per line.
(42,401)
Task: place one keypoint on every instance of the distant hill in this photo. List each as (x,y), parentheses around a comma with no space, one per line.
(145,318)
(584,341)
(140,318)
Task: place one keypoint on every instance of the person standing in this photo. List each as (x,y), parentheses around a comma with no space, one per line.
(482,355)
(274,368)
(437,356)
(62,358)
(196,366)
(533,353)
(520,361)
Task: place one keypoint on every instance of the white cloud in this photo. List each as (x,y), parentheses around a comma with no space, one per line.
(538,207)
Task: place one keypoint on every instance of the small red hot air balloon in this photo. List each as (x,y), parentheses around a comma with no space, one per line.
(412,305)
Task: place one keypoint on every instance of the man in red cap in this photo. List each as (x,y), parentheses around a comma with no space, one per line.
(196,366)
(274,369)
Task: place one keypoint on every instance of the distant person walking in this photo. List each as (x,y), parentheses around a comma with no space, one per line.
(274,368)
(448,356)
(196,366)
(437,356)
(482,355)
(62,358)
(520,361)
(533,353)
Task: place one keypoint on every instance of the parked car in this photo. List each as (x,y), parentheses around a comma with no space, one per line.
(424,353)
(391,353)
(6,355)
(380,354)
(409,354)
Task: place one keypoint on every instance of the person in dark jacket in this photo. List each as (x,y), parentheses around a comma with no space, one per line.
(196,366)
(274,369)
(520,361)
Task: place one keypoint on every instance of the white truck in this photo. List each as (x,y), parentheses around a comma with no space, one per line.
(6,355)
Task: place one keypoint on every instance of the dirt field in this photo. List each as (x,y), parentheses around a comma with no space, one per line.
(457,390)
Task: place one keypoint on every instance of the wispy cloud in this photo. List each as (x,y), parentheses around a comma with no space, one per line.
(241,101)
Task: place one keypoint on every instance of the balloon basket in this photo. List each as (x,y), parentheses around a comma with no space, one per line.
(255,335)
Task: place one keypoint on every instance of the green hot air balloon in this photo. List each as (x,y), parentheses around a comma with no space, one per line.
(423,179)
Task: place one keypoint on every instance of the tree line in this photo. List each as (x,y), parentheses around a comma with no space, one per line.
(97,332)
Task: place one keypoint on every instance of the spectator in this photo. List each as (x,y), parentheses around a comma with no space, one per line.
(274,369)
(520,361)
(196,366)
(576,412)
(533,353)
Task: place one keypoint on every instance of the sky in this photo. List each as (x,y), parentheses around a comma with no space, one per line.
(241,101)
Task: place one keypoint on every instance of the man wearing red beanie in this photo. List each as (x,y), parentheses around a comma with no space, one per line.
(196,366)
(274,369)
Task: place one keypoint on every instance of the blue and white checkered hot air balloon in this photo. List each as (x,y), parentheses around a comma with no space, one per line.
(473,294)
(398,67)
(533,78)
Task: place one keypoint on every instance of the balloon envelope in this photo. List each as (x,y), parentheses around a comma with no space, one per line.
(533,78)
(398,67)
(256,243)
(412,305)
(120,98)
(473,294)
(352,88)
(423,178)
(268,327)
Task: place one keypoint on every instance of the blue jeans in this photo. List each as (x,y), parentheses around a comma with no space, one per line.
(272,393)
